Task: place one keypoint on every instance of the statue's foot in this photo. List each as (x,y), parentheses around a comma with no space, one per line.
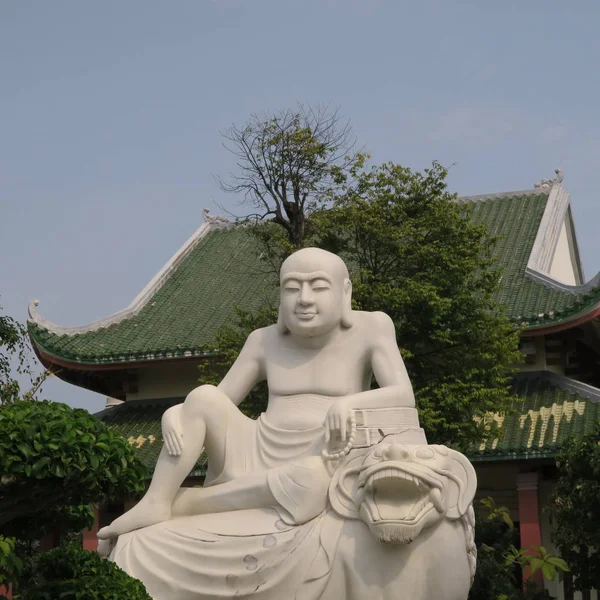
(143,514)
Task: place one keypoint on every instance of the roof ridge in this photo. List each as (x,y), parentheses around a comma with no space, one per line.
(544,247)
(142,298)
(484,197)
(563,382)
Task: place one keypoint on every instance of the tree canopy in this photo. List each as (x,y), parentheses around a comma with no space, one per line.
(576,510)
(416,255)
(54,462)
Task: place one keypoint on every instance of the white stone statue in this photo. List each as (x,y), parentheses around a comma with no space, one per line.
(332,493)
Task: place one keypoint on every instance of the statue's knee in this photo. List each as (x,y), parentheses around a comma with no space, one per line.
(301,489)
(202,399)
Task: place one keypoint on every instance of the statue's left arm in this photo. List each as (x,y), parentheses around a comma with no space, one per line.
(388,367)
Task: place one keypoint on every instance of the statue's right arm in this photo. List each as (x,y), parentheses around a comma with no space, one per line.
(243,375)
(247,370)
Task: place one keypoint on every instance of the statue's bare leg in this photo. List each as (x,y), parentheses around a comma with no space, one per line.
(299,487)
(248,491)
(203,422)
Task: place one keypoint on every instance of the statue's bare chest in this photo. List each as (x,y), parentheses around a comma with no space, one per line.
(336,370)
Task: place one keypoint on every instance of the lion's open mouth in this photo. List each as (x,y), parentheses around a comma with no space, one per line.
(396,502)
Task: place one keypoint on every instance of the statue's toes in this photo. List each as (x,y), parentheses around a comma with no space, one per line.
(105,547)
(105,534)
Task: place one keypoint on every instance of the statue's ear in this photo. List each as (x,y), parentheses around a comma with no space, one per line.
(347,318)
(281,326)
(461,482)
(342,489)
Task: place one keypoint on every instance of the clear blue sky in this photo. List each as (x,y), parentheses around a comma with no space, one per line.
(110,114)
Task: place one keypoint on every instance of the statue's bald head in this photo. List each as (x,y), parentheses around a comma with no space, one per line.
(314,281)
(314,259)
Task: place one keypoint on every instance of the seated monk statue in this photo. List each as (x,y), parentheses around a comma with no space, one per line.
(318,361)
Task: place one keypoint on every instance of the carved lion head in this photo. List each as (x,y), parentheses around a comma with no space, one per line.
(400,489)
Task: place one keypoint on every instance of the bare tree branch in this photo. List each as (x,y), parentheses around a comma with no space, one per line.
(290,163)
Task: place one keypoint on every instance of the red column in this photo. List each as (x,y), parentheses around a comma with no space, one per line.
(90,541)
(529,517)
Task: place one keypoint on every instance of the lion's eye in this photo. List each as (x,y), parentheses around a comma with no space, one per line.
(424,452)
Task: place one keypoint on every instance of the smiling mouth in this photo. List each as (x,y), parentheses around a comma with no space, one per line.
(306,316)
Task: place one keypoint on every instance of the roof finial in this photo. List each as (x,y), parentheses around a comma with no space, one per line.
(546,184)
(218,221)
(32,311)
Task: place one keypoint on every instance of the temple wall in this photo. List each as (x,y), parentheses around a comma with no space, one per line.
(498,480)
(167,381)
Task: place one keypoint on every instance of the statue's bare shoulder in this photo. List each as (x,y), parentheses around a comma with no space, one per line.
(261,338)
(374,326)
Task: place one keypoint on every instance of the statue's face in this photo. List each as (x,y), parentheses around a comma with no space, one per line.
(312,294)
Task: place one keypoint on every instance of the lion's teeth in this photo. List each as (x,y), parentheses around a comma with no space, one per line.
(436,497)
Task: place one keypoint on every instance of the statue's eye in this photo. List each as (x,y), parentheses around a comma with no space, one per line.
(320,284)
(292,286)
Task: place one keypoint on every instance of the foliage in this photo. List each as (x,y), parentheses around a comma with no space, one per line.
(71,573)
(13,349)
(10,564)
(55,459)
(535,558)
(290,163)
(575,509)
(500,563)
(416,255)
(495,512)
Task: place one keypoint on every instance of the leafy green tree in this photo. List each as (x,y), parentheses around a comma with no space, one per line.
(13,356)
(54,462)
(11,565)
(289,164)
(575,509)
(500,563)
(416,255)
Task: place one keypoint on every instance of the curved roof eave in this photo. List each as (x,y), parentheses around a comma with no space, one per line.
(143,297)
(547,326)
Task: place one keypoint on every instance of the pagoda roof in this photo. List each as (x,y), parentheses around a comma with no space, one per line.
(220,268)
(177,314)
(548,409)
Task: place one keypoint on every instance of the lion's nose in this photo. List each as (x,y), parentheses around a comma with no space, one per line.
(396,452)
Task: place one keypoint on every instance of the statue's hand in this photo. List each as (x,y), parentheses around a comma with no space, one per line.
(337,419)
(171,430)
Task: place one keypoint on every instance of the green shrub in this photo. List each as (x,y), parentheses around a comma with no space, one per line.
(55,461)
(72,573)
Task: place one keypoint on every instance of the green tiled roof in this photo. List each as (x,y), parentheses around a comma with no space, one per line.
(139,422)
(551,408)
(516,219)
(223,270)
